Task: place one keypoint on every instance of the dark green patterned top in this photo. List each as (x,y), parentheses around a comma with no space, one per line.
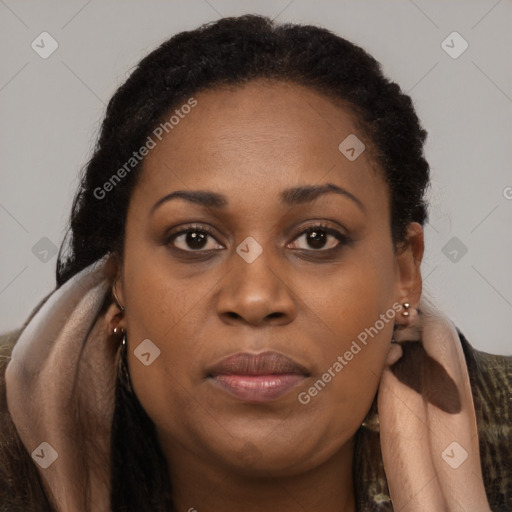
(491,384)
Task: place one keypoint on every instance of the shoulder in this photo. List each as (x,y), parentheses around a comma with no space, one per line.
(20,485)
(491,383)
(7,342)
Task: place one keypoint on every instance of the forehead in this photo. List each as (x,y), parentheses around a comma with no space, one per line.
(261,137)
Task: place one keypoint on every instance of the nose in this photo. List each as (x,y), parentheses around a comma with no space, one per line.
(256,293)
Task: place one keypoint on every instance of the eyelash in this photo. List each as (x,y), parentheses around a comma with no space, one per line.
(198,228)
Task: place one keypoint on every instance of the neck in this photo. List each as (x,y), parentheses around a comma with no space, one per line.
(201,486)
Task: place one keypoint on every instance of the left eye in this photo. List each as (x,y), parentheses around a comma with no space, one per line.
(320,238)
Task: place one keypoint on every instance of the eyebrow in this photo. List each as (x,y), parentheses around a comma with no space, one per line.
(289,197)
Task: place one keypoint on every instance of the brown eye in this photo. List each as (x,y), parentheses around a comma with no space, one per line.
(318,238)
(194,239)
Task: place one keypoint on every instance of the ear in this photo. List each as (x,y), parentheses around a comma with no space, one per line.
(407,266)
(118,295)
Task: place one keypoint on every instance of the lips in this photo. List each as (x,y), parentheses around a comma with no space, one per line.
(257,377)
(265,363)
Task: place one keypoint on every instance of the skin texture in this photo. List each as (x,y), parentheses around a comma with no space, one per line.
(249,144)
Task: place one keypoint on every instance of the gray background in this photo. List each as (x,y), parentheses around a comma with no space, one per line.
(51,109)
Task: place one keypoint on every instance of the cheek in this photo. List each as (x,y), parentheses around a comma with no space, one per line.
(167,310)
(357,313)
(171,324)
(161,390)
(355,294)
(160,292)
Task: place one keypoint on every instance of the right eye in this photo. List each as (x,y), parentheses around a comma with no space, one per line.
(193,239)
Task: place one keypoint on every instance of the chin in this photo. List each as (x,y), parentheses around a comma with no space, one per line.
(261,459)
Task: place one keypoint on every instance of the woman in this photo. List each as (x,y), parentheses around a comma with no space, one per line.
(239,319)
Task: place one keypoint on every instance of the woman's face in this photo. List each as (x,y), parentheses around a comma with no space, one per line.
(265,158)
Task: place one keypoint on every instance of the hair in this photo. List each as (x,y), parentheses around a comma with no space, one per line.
(233,51)
(228,52)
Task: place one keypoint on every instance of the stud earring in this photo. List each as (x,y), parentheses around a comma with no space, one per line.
(410,313)
(117,331)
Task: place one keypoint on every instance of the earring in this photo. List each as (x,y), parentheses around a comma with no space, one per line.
(410,313)
(122,367)
(123,374)
(371,422)
(118,330)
